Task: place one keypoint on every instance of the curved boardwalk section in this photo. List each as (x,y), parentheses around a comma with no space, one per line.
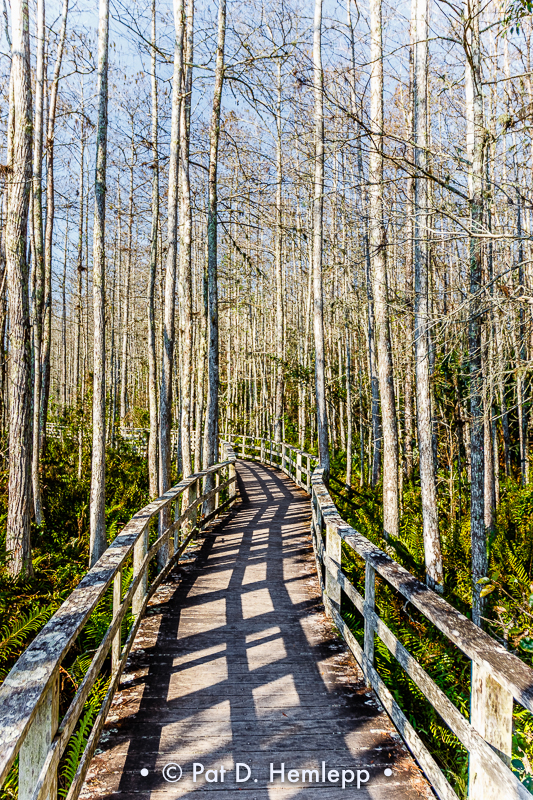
(236,671)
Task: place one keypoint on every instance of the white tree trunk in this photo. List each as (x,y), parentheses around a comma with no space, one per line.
(211,433)
(152,360)
(18,547)
(318,203)
(379,280)
(432,549)
(98,541)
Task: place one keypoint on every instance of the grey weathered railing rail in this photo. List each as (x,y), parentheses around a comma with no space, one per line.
(498,677)
(29,724)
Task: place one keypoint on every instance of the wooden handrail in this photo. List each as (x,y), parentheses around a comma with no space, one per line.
(498,676)
(28,696)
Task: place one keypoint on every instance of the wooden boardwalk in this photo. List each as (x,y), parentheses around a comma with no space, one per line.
(236,663)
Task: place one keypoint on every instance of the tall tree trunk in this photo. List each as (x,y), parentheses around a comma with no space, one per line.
(278,410)
(98,541)
(79,267)
(153,472)
(126,299)
(318,204)
(379,280)
(475,147)
(374,384)
(432,549)
(49,229)
(211,433)
(18,548)
(38,253)
(167,365)
(185,271)
(349,416)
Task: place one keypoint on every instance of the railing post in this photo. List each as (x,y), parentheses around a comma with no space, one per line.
(262,451)
(283,457)
(232,473)
(299,468)
(491,714)
(139,551)
(217,495)
(308,475)
(369,607)
(243,446)
(117,602)
(333,550)
(35,746)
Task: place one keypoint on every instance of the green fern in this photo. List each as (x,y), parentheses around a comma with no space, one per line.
(79,740)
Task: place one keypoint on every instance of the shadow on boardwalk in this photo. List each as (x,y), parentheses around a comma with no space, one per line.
(237,663)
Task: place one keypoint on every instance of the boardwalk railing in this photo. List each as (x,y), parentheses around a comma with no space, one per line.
(137,438)
(29,707)
(498,677)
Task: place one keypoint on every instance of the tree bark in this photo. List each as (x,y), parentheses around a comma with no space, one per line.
(98,541)
(167,366)
(211,433)
(38,257)
(432,549)
(185,270)
(278,410)
(49,230)
(475,149)
(153,471)
(379,280)
(318,203)
(18,548)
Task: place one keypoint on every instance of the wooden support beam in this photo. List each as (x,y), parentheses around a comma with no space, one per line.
(491,714)
(333,550)
(34,749)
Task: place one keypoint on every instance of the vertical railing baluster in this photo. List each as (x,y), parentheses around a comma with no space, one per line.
(34,749)
(369,607)
(333,550)
(139,551)
(299,467)
(217,495)
(117,602)
(491,714)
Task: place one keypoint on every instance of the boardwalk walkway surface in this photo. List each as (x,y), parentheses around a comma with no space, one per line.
(236,663)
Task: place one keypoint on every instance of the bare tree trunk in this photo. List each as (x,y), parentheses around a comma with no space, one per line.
(349,436)
(167,366)
(79,266)
(152,358)
(98,541)
(38,261)
(475,147)
(185,271)
(211,433)
(64,323)
(126,299)
(278,411)
(379,279)
(374,385)
(318,203)
(18,547)
(432,549)
(49,230)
